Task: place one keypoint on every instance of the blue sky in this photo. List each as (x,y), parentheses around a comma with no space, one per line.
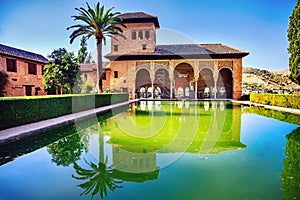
(257,26)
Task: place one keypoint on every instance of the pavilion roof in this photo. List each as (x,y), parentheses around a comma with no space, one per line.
(183,51)
(139,17)
(88,67)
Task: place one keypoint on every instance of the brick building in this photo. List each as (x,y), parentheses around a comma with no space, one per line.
(24,70)
(145,69)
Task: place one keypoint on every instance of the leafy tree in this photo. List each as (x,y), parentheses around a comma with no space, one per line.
(88,58)
(98,23)
(294,46)
(82,86)
(61,71)
(3,81)
(82,53)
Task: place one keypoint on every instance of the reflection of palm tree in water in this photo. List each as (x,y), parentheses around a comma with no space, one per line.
(99,177)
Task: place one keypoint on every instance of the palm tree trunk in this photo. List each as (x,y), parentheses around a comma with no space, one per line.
(101,145)
(99,64)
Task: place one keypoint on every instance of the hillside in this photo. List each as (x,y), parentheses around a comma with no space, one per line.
(264,81)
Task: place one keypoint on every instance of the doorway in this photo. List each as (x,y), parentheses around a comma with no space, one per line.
(28,90)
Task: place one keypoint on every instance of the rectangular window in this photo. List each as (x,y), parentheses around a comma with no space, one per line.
(140,35)
(147,34)
(116,74)
(116,47)
(32,68)
(11,65)
(104,76)
(144,46)
(133,35)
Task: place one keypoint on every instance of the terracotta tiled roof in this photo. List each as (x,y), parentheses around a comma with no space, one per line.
(88,67)
(188,50)
(18,53)
(138,17)
(194,49)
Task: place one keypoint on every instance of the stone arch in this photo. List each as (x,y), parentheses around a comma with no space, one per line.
(225,68)
(162,81)
(225,83)
(142,80)
(205,83)
(142,68)
(161,66)
(184,77)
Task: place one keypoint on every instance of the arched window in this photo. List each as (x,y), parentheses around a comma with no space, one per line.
(133,35)
(147,34)
(206,92)
(187,92)
(180,92)
(149,92)
(140,35)
(143,92)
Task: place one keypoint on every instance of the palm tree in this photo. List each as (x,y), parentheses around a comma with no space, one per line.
(99,23)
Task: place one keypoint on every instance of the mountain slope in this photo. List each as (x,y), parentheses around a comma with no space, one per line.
(259,80)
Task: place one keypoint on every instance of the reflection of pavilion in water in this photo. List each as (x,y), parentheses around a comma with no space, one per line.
(134,166)
(138,162)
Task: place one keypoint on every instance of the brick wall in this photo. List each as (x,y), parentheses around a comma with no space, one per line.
(237,79)
(130,45)
(18,81)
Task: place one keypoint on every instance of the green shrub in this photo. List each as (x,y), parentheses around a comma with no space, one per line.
(16,111)
(282,100)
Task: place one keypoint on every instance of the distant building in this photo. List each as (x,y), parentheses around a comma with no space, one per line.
(25,71)
(147,70)
(89,71)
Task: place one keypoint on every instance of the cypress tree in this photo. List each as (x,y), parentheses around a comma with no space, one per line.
(294,43)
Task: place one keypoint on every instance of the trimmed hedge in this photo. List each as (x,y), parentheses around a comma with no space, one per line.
(16,111)
(282,100)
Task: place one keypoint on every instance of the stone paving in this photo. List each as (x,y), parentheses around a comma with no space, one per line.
(289,110)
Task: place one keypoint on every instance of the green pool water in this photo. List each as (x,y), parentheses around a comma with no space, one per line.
(159,150)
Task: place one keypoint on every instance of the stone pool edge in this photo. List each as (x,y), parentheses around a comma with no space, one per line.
(19,132)
(283,109)
(16,133)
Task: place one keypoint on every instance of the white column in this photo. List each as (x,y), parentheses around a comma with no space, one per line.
(134,83)
(196,77)
(196,89)
(171,87)
(152,96)
(152,77)
(171,75)
(215,74)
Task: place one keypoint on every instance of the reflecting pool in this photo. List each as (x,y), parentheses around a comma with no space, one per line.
(159,150)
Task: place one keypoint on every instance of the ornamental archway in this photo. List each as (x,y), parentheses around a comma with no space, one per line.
(205,83)
(162,83)
(143,83)
(184,80)
(225,83)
